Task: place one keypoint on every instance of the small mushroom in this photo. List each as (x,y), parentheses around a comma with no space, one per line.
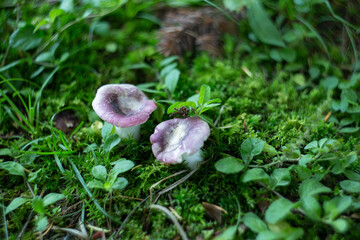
(124,106)
(178,140)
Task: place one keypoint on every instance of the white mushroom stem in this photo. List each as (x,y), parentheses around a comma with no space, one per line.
(129,132)
(193,160)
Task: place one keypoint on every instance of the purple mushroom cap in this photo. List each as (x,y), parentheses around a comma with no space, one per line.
(177,137)
(122,105)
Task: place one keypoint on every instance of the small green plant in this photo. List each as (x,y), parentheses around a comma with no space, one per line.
(111,181)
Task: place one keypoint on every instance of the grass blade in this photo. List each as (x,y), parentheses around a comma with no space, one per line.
(57,160)
(81,180)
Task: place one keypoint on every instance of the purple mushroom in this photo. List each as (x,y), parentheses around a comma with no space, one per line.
(178,140)
(124,106)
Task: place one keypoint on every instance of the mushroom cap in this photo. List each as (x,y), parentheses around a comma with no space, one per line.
(177,137)
(122,105)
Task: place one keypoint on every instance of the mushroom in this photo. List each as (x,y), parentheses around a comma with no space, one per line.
(178,140)
(124,106)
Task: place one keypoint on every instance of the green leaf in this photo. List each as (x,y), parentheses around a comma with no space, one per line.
(95,184)
(340,225)
(349,130)
(111,142)
(41,223)
(120,167)
(99,172)
(305,159)
(168,60)
(67,5)
(52,198)
(38,205)
(17,202)
(311,207)
(280,177)
(288,54)
(262,26)
(107,130)
(253,222)
(236,5)
(228,234)
(159,112)
(172,79)
(270,150)
(25,39)
(350,186)
(311,145)
(329,82)
(13,168)
(166,70)
(334,207)
(12,64)
(312,187)
(229,165)
(120,183)
(268,235)
(278,210)
(177,105)
(254,174)
(55,13)
(6,152)
(45,57)
(250,148)
(204,94)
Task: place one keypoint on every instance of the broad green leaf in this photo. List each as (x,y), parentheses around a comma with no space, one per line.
(5,152)
(229,165)
(111,142)
(334,207)
(38,205)
(280,177)
(305,159)
(288,54)
(352,175)
(95,184)
(13,168)
(159,112)
(52,198)
(166,70)
(312,187)
(268,235)
(254,174)
(349,130)
(177,105)
(194,98)
(99,172)
(204,94)
(253,222)
(311,207)
(172,79)
(25,39)
(270,150)
(303,172)
(41,223)
(350,186)
(55,13)
(278,210)
(120,167)
(228,234)
(168,60)
(250,148)
(262,26)
(340,225)
(67,5)
(329,83)
(107,130)
(311,145)
(17,202)
(120,183)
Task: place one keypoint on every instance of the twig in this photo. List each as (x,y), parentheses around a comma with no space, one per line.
(172,218)
(162,180)
(25,226)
